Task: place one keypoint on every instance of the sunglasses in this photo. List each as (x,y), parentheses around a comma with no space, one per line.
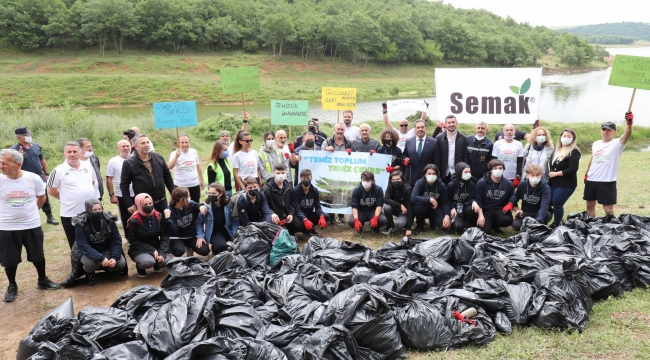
(606,129)
(248,141)
(403,125)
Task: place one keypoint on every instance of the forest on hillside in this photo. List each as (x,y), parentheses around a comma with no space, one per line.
(612,33)
(384,31)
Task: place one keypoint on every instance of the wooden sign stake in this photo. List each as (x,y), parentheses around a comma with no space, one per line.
(243,101)
(632,100)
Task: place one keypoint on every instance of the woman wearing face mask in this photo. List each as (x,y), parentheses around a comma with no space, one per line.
(245,162)
(98,244)
(389,139)
(269,156)
(564,166)
(492,199)
(147,236)
(535,196)
(219,168)
(430,200)
(539,150)
(215,226)
(461,196)
(181,224)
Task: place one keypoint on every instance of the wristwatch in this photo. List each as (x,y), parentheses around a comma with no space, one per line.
(111,194)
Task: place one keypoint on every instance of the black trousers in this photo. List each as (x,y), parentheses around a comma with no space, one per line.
(496,219)
(161,205)
(516,223)
(125,215)
(177,246)
(47,206)
(298,226)
(366,216)
(426,211)
(465,220)
(195,193)
(68,228)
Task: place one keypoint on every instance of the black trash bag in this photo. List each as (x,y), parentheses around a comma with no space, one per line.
(107,326)
(301,310)
(609,250)
(187,273)
(515,297)
(321,285)
(316,243)
(423,326)
(444,274)
(563,235)
(338,259)
(642,222)
(260,349)
(480,332)
(556,255)
(569,277)
(497,266)
(440,247)
(473,236)
(218,348)
(134,350)
(137,301)
(51,327)
(520,240)
(389,258)
(70,347)
(365,312)
(367,354)
(246,287)
(555,308)
(601,281)
(462,252)
(280,336)
(253,243)
(227,261)
(434,296)
(639,267)
(361,274)
(489,248)
(537,232)
(276,287)
(236,319)
(529,264)
(502,323)
(331,343)
(402,281)
(267,311)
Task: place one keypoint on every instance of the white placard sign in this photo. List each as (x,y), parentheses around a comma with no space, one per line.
(496,96)
(405,104)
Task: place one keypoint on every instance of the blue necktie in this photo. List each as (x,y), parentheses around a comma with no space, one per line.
(420,148)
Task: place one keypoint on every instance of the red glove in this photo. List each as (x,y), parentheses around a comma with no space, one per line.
(349,151)
(585,178)
(310,225)
(372,151)
(374,221)
(508,207)
(357,225)
(536,124)
(291,148)
(390,169)
(321,222)
(282,222)
(406,161)
(629,118)
(384,107)
(516,182)
(286,156)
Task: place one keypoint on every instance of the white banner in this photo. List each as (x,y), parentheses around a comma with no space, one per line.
(496,96)
(336,174)
(402,105)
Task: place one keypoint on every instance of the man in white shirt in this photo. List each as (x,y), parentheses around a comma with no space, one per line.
(113,179)
(600,179)
(186,166)
(403,131)
(281,143)
(72,184)
(511,152)
(22,193)
(88,158)
(351,132)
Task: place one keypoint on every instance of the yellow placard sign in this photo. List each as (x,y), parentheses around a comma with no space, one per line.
(339,98)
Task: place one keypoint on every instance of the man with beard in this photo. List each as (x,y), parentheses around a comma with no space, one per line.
(351,131)
(338,142)
(452,147)
(479,150)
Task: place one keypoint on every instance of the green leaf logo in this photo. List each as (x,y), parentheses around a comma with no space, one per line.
(514,89)
(524,88)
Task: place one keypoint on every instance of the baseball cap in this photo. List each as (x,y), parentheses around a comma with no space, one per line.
(311,123)
(608,125)
(21,131)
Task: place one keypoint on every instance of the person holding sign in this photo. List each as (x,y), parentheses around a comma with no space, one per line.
(270,156)
(430,200)
(365,143)
(312,127)
(245,162)
(309,144)
(186,165)
(367,203)
(600,179)
(403,130)
(305,199)
(511,152)
(338,142)
(389,139)
(492,199)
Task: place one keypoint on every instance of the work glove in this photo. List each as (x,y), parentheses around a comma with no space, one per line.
(426,103)
(372,151)
(629,118)
(286,156)
(585,178)
(291,149)
(374,221)
(349,151)
(357,225)
(390,169)
(308,225)
(283,222)
(406,161)
(536,124)
(516,182)
(507,208)
(321,222)
(384,107)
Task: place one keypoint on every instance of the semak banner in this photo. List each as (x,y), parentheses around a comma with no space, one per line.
(496,96)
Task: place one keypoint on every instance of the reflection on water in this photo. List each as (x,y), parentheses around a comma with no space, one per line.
(562,92)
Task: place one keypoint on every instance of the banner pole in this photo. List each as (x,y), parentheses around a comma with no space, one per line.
(178,140)
(243,102)
(338,112)
(290,137)
(632,100)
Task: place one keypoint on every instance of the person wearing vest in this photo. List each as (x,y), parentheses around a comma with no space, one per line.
(270,156)
(219,168)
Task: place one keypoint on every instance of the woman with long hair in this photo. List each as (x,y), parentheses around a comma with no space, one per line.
(563,169)
(389,139)
(219,168)
(539,151)
(245,162)
(181,224)
(215,226)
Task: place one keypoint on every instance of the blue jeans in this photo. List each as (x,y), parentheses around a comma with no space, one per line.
(559,197)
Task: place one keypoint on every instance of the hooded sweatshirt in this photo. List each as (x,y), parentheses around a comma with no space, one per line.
(423,191)
(459,190)
(92,236)
(367,201)
(306,204)
(533,199)
(490,195)
(279,199)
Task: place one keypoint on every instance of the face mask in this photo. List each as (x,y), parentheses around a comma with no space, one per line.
(88,154)
(541,139)
(305,183)
(312,130)
(309,143)
(509,137)
(224,154)
(252,193)
(280,177)
(213,198)
(534,180)
(566,141)
(148,209)
(28,139)
(96,214)
(432,178)
(466,176)
(396,183)
(497,173)
(479,137)
(388,142)
(366,184)
(270,144)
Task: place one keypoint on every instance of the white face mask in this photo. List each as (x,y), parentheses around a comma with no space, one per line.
(466,176)
(508,137)
(88,154)
(566,141)
(280,177)
(366,184)
(432,178)
(541,139)
(497,173)
(270,144)
(534,180)
(479,137)
(28,139)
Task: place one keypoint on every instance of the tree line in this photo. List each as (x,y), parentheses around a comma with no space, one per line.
(386,31)
(612,33)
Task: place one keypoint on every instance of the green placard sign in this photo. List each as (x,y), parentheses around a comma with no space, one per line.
(631,71)
(289,112)
(240,79)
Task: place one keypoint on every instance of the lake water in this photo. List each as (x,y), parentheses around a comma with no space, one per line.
(582,97)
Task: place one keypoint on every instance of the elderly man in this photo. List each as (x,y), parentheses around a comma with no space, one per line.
(479,150)
(113,180)
(511,152)
(338,142)
(87,156)
(34,162)
(22,193)
(72,183)
(309,144)
(365,144)
(419,151)
(281,143)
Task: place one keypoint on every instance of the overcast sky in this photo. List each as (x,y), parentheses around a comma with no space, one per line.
(554,13)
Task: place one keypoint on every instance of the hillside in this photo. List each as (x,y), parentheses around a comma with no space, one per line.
(612,33)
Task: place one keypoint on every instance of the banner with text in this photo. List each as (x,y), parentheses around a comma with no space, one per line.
(289,112)
(336,174)
(240,79)
(496,96)
(406,104)
(631,71)
(339,98)
(175,114)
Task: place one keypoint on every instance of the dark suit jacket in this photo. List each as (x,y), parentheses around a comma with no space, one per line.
(417,164)
(460,150)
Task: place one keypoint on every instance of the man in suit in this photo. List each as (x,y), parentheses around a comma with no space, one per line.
(419,151)
(452,148)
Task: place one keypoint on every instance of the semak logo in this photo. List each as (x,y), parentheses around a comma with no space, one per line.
(494,104)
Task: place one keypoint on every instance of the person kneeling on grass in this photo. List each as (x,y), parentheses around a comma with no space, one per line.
(306,206)
(215,226)
(535,196)
(430,200)
(461,196)
(253,207)
(278,194)
(181,224)
(397,202)
(492,199)
(98,244)
(367,202)
(147,236)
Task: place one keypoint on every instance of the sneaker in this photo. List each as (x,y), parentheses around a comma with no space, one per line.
(91,280)
(52,221)
(156,268)
(47,284)
(498,231)
(124,272)
(417,231)
(313,232)
(388,230)
(189,251)
(69,282)
(342,219)
(12,291)
(142,273)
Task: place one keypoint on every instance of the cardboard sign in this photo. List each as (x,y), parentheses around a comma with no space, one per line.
(240,79)
(402,105)
(339,98)
(631,71)
(289,112)
(175,114)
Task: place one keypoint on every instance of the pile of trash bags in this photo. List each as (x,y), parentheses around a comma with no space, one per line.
(343,300)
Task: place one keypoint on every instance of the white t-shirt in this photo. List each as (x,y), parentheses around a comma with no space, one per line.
(18,208)
(185,169)
(508,153)
(401,143)
(86,163)
(75,187)
(231,151)
(604,160)
(352,133)
(246,162)
(114,170)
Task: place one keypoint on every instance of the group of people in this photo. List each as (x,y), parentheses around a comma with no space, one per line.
(452,180)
